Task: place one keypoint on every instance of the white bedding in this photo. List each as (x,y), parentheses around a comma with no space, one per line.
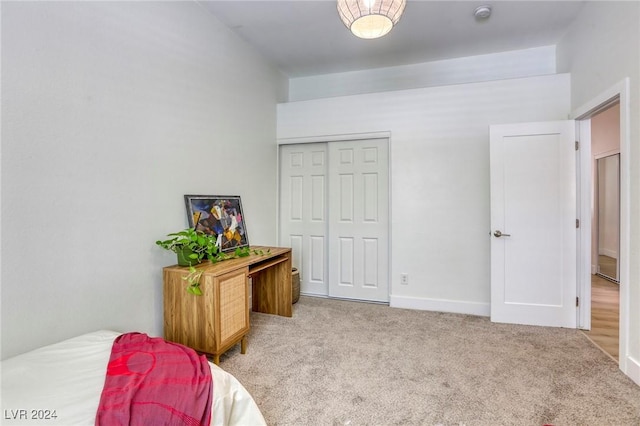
(67,378)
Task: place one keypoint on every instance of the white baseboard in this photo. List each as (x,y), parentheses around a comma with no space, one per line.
(594,269)
(440,305)
(309,293)
(633,369)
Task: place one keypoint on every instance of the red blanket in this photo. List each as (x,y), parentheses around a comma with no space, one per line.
(153,382)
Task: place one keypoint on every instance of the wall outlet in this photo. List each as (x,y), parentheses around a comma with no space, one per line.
(404,279)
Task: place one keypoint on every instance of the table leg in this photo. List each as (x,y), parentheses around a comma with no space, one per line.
(243,345)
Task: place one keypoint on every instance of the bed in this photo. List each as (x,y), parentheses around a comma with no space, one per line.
(62,384)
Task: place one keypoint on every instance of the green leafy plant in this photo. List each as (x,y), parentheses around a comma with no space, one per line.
(261,252)
(238,252)
(193,279)
(199,246)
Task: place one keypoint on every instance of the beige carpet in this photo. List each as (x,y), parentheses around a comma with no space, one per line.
(348,363)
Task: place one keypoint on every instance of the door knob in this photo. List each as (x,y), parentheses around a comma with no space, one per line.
(499,234)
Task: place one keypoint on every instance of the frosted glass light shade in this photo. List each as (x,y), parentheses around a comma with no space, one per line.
(370,18)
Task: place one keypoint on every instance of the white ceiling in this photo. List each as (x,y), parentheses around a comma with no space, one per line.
(306,37)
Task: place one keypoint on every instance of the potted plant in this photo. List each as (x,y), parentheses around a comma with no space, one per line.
(191,246)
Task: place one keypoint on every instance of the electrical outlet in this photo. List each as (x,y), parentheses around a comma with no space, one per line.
(404,279)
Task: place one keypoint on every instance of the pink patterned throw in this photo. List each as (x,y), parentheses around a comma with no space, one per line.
(153,382)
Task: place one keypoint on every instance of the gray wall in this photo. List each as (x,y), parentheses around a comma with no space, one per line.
(111,111)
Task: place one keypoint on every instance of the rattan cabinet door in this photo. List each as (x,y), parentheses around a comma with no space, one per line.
(231,310)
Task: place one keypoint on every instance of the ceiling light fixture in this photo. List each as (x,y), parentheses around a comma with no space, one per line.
(370,18)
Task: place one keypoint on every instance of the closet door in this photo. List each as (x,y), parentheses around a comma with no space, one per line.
(359,220)
(303,224)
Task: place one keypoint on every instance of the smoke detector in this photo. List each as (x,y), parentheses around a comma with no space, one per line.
(482,12)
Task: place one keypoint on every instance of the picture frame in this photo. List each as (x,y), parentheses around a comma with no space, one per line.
(219,215)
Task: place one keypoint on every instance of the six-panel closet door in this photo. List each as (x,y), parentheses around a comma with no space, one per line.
(334,213)
(303,212)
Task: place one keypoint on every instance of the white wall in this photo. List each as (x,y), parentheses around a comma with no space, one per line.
(496,66)
(600,49)
(111,112)
(439,174)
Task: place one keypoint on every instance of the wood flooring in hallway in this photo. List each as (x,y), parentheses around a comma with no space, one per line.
(605,315)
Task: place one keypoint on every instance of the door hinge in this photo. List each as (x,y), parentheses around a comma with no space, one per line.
(577,145)
(577,302)
(577,223)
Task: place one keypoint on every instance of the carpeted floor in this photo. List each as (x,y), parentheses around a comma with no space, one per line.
(348,363)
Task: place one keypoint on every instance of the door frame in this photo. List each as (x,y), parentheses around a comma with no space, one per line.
(617,93)
(338,138)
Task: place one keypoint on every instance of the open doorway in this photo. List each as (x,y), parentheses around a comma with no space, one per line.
(605,230)
(616,94)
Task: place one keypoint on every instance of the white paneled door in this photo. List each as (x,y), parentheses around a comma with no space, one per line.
(359,220)
(334,213)
(303,211)
(533,224)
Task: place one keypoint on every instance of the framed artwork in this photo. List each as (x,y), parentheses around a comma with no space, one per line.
(219,215)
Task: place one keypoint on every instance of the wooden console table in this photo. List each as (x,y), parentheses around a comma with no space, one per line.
(219,319)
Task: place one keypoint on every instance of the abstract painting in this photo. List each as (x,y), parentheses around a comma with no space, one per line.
(219,215)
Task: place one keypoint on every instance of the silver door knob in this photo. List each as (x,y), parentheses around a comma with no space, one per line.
(499,234)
